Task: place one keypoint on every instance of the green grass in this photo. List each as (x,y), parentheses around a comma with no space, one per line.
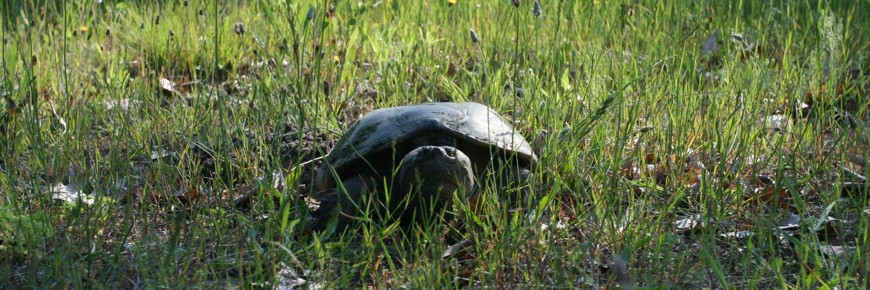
(686,133)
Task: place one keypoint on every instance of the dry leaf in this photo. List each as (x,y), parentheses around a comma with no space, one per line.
(69,193)
(711,45)
(835,251)
(737,235)
(456,248)
(288,279)
(689,224)
(167,85)
(792,222)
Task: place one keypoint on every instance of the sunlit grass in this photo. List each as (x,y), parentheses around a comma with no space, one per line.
(664,137)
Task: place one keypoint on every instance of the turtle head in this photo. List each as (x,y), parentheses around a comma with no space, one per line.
(436,172)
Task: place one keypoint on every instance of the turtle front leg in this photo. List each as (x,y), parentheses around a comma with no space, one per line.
(343,202)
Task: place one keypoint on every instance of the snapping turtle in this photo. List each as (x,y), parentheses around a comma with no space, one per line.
(428,150)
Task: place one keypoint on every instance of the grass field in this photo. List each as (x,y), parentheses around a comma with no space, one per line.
(692,144)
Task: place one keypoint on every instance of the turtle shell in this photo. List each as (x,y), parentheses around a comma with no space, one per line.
(380,129)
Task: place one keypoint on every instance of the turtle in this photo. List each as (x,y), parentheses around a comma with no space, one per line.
(425,153)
